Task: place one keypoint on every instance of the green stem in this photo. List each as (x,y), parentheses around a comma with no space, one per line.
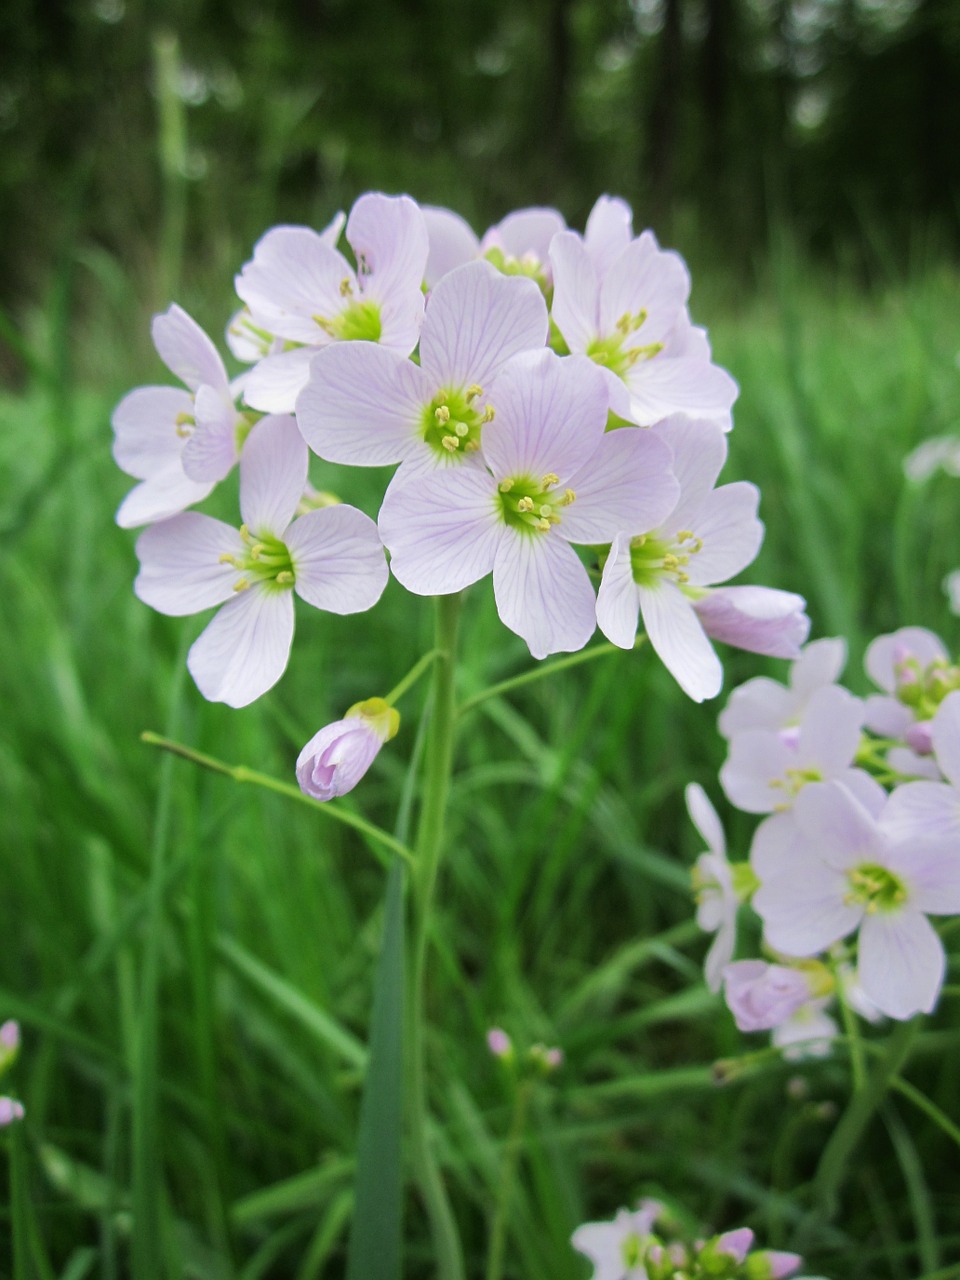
(858,1064)
(240,773)
(545,669)
(429,849)
(411,678)
(508,1176)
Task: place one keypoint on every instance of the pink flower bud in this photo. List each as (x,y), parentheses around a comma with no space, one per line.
(735,1243)
(761,996)
(336,758)
(499,1043)
(920,738)
(758,619)
(10,1035)
(10,1111)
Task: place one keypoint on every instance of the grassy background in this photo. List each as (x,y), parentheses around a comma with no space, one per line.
(191,960)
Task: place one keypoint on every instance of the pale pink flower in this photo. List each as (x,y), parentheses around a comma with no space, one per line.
(765,769)
(331,558)
(517,245)
(757,619)
(339,754)
(10,1111)
(623,316)
(369,406)
(660,571)
(616,1248)
(762,996)
(178,443)
(499,1043)
(912,667)
(301,289)
(842,869)
(762,703)
(717,899)
(552,477)
(933,808)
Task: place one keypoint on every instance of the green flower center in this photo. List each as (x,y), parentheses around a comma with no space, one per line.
(619,352)
(631,1249)
(529,265)
(358,320)
(924,688)
(653,558)
(265,560)
(533,506)
(875,888)
(452,422)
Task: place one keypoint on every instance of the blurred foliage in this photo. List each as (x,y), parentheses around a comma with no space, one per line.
(714,117)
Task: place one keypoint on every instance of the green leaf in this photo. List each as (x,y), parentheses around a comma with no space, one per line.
(375,1235)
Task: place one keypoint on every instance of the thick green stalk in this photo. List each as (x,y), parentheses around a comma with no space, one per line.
(438,765)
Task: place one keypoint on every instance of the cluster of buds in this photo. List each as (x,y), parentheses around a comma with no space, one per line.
(637,1245)
(539,1059)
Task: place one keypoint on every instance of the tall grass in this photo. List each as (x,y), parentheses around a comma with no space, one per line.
(192,960)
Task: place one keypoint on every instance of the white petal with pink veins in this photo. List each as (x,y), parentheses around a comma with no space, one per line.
(452,242)
(946,737)
(273,475)
(476,320)
(627,485)
(145,429)
(923,809)
(272,385)
(363,405)
(211,451)
(705,819)
(662,386)
(525,231)
(803,908)
(830,730)
(753,772)
(644,278)
(165,494)
(840,829)
(727,525)
(181,571)
(758,619)
(820,664)
(576,295)
(338,559)
(389,238)
(760,703)
(699,451)
(543,592)
(186,350)
(294,277)
(618,601)
(551,415)
(442,529)
(245,649)
(679,640)
(930,868)
(900,962)
(608,231)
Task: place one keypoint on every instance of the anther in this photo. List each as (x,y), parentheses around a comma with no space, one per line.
(543,526)
(227,558)
(442,414)
(461,429)
(285,578)
(568,497)
(471,446)
(504,486)
(473,391)
(525,504)
(346,288)
(245,533)
(489,414)
(450,443)
(257,550)
(242,584)
(549,479)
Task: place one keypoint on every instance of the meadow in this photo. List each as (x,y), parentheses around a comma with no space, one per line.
(192,958)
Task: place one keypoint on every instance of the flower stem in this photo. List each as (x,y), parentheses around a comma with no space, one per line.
(429,849)
(545,669)
(411,678)
(858,1064)
(508,1176)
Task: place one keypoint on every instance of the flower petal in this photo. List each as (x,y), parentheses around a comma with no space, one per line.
(186,350)
(165,494)
(841,829)
(272,385)
(551,415)
(931,868)
(662,386)
(618,601)
(244,650)
(442,529)
(699,451)
(338,559)
(704,817)
(830,730)
(363,405)
(608,231)
(543,592)
(294,277)
(731,534)
(803,908)
(476,320)
(760,703)
(627,484)
(885,652)
(758,619)
(145,430)
(576,294)
(679,640)
(820,663)
(644,278)
(452,242)
(923,809)
(525,232)
(211,452)
(900,963)
(273,475)
(389,237)
(946,737)
(181,571)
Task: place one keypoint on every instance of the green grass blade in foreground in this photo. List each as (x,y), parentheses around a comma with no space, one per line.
(375,1236)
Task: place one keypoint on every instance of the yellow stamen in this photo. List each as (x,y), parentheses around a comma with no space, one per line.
(450,443)
(346,288)
(549,479)
(243,584)
(489,413)
(442,414)
(285,578)
(473,391)
(525,504)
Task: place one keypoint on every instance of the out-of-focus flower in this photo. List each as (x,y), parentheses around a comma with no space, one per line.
(339,754)
(500,1044)
(939,454)
(717,898)
(762,703)
(9,1044)
(616,1248)
(331,557)
(10,1111)
(761,996)
(933,808)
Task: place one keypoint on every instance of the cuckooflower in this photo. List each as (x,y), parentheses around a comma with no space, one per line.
(552,477)
(762,703)
(622,316)
(717,898)
(659,571)
(933,808)
(616,1248)
(337,757)
(302,290)
(177,443)
(841,869)
(913,669)
(331,557)
(369,406)
(517,245)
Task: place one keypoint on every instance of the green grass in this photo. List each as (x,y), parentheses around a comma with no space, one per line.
(193,960)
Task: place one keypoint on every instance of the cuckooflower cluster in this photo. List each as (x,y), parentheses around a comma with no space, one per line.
(858,846)
(646,1244)
(556,420)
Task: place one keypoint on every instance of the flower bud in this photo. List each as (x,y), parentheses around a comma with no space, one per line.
(761,996)
(9,1043)
(500,1044)
(772,1264)
(336,758)
(10,1111)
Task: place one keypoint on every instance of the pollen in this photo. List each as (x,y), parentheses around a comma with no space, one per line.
(549,479)
(442,414)
(242,584)
(568,497)
(543,526)
(525,504)
(450,443)
(473,391)
(285,578)
(489,413)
